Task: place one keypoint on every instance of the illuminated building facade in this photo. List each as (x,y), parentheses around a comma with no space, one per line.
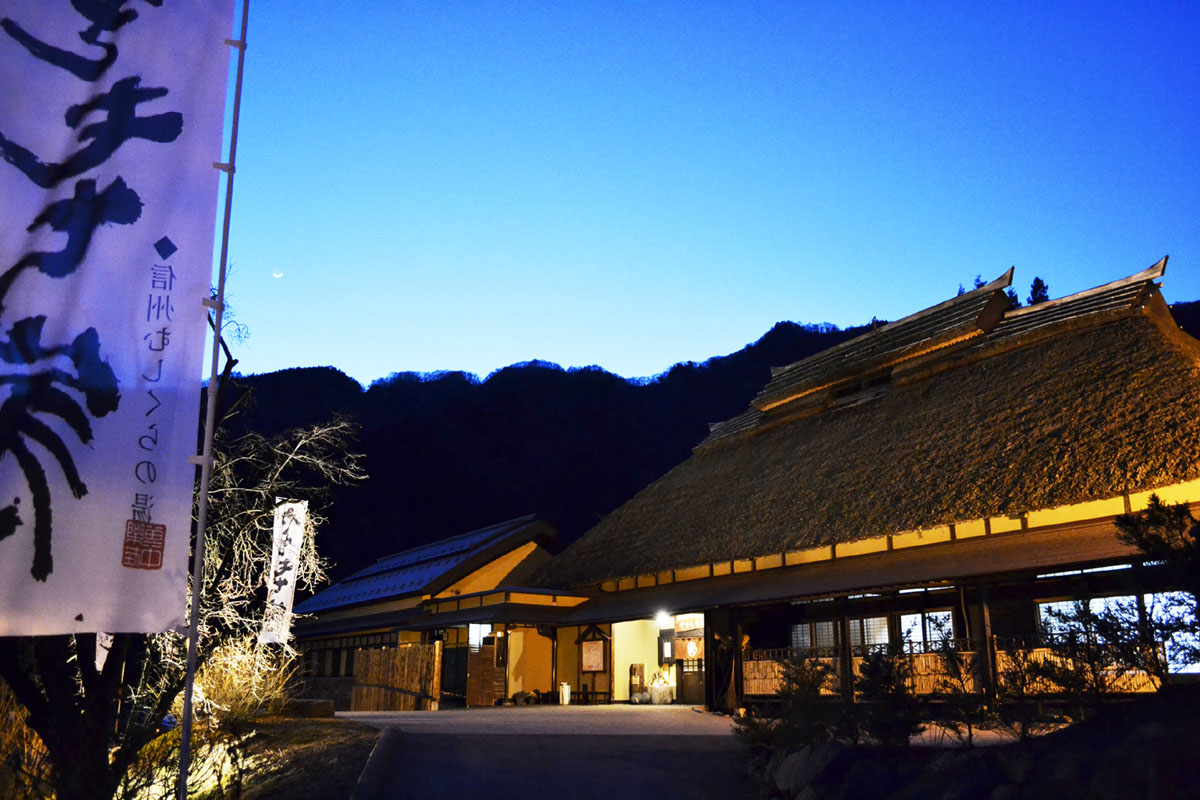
(945,475)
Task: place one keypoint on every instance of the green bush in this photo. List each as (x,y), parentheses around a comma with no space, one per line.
(805,715)
(890,712)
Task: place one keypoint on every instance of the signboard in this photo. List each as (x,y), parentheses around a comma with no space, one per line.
(290,521)
(689,648)
(111,122)
(591,656)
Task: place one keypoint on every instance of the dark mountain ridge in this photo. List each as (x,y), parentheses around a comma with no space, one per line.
(447,452)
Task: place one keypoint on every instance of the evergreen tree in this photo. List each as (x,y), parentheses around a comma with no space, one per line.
(964,706)
(805,715)
(890,713)
(1039,292)
(1170,535)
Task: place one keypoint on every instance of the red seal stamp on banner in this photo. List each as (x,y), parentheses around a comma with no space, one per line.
(144,543)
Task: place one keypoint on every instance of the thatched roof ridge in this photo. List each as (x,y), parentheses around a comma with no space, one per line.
(958,318)
(947,345)
(1084,407)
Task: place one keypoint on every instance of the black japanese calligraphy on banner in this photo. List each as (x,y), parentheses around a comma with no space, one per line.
(110,126)
(291,522)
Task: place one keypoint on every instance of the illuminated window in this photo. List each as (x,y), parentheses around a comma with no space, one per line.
(1182,644)
(476,634)
(868,631)
(1058,618)
(814,634)
(923,629)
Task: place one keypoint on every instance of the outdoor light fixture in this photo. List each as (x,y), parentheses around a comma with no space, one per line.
(664,620)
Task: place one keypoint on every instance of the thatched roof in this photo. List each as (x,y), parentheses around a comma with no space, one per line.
(1079,399)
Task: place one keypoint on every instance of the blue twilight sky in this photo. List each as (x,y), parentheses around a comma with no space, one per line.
(464,185)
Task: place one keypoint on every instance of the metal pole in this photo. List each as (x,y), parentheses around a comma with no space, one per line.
(205,460)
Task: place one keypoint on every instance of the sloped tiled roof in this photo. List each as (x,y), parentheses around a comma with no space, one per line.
(1081,399)
(425,569)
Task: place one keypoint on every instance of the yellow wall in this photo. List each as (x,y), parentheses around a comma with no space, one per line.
(633,643)
(1177,493)
(568,657)
(514,565)
(568,662)
(529,656)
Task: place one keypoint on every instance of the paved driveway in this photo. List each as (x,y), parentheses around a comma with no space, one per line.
(550,752)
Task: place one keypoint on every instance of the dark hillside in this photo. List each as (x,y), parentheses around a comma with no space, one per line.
(448,452)
(292,397)
(1188,316)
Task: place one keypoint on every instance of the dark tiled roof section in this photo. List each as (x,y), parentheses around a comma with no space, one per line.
(443,548)
(972,313)
(415,570)
(1087,413)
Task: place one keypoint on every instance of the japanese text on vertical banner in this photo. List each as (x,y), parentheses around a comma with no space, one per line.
(291,521)
(111,123)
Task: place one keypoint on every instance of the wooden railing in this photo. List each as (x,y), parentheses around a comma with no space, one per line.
(762,670)
(1118,678)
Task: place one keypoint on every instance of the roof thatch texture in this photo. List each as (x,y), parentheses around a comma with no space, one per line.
(1083,408)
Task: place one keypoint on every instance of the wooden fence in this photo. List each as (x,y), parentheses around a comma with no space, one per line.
(406,677)
(762,674)
(1116,678)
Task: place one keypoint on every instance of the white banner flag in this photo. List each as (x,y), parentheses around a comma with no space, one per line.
(290,520)
(110,123)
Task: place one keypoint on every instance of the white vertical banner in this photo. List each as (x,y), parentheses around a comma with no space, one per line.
(109,129)
(290,522)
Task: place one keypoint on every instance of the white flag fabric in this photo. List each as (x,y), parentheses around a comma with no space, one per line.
(290,521)
(110,124)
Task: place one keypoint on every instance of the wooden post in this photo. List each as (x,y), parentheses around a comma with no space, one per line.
(988,649)
(847,654)
(554,660)
(610,645)
(503,652)
(738,667)
(710,660)
(436,688)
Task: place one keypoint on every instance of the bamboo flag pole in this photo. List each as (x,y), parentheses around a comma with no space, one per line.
(205,460)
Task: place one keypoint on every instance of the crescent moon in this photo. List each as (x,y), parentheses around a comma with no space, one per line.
(277,274)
